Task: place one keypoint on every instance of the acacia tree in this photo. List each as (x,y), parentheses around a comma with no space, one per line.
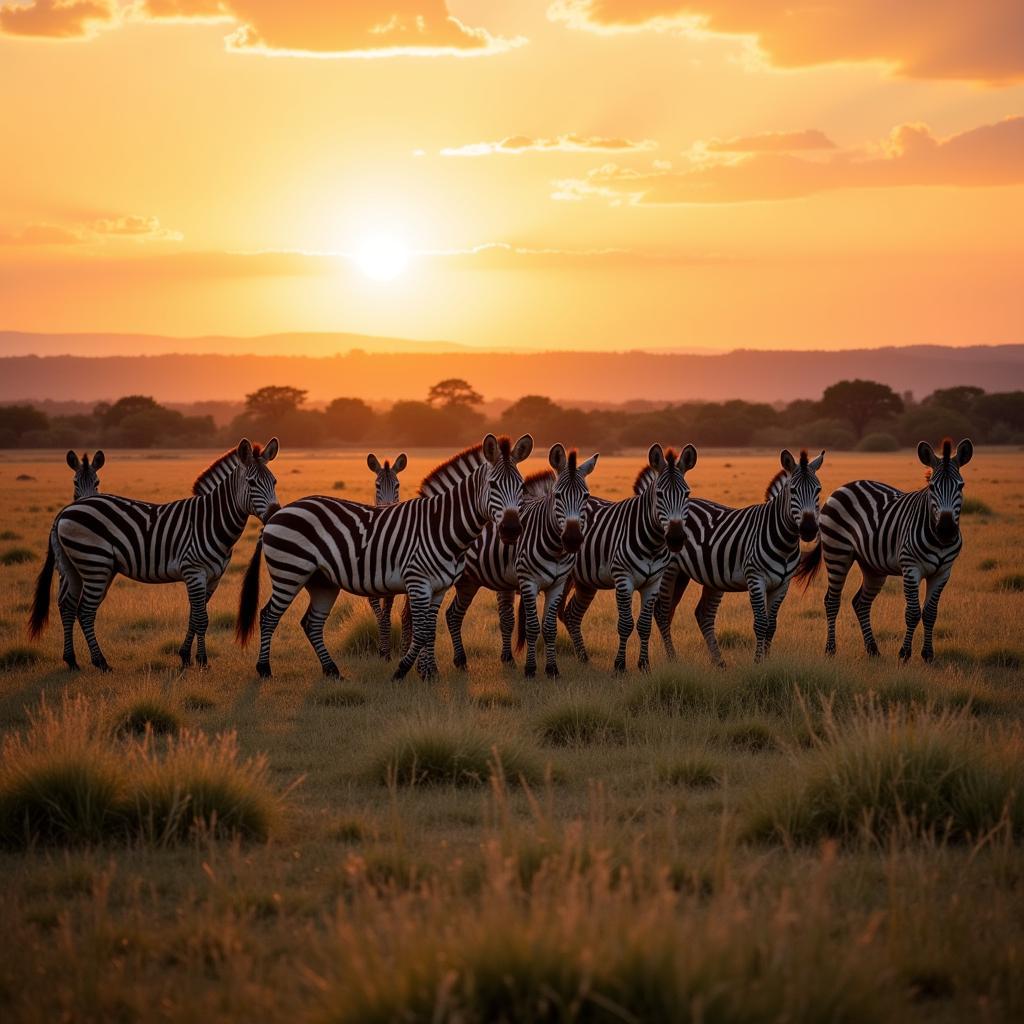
(859,402)
(454,393)
(274,401)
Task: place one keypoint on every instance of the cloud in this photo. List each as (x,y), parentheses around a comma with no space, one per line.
(55,19)
(349,28)
(127,226)
(911,155)
(978,40)
(569,143)
(772,142)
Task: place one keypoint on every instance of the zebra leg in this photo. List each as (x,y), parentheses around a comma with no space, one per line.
(69,593)
(775,599)
(465,591)
(838,569)
(426,663)
(870,587)
(281,597)
(705,613)
(406,624)
(648,599)
(549,627)
(912,593)
(664,609)
(933,591)
(507,624)
(198,618)
(759,604)
(418,600)
(572,616)
(624,605)
(384,628)
(201,659)
(528,596)
(322,596)
(94,590)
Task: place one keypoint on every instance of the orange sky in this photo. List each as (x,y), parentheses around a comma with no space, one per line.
(576,173)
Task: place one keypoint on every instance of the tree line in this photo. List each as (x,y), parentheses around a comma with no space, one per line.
(851,414)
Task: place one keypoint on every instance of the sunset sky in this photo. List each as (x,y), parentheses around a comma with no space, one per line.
(573,174)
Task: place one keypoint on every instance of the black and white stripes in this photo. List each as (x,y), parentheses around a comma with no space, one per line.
(386,488)
(889,532)
(189,540)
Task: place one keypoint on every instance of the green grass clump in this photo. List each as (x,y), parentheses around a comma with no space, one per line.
(18,657)
(1002,657)
(200,784)
(9,535)
(889,773)
(360,637)
(577,723)
(431,752)
(694,772)
(730,639)
(988,564)
(1013,582)
(198,701)
(337,695)
(17,556)
(677,689)
(751,734)
(148,711)
(975,507)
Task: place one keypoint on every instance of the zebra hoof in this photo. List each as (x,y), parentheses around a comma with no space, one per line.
(619,668)
(551,671)
(644,665)
(507,659)
(721,664)
(102,665)
(582,657)
(399,674)
(332,671)
(72,665)
(928,656)
(830,650)
(461,662)
(263,669)
(186,660)
(530,671)
(905,654)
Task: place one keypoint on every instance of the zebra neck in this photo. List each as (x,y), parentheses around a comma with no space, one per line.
(782,520)
(462,505)
(550,536)
(652,536)
(226,498)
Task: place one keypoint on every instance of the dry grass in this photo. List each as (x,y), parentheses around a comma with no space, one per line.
(485,847)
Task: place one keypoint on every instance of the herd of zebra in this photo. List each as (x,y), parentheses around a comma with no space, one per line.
(477,523)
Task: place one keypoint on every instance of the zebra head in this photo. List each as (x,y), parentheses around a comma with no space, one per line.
(946,485)
(86,480)
(259,483)
(385,487)
(804,491)
(505,484)
(671,491)
(571,494)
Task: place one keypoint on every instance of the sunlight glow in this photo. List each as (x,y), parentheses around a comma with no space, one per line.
(382,256)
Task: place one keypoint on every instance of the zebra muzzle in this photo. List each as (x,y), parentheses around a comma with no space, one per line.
(808,528)
(509,528)
(572,537)
(946,528)
(674,536)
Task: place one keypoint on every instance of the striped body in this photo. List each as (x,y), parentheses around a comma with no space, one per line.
(627,548)
(417,547)
(889,532)
(754,549)
(188,541)
(554,519)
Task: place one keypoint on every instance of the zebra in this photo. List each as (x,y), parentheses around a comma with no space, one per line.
(385,492)
(86,482)
(554,522)
(754,549)
(627,546)
(417,547)
(189,540)
(889,532)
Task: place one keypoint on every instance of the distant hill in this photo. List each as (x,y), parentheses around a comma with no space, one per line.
(569,377)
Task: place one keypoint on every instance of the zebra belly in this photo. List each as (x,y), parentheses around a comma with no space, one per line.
(729,578)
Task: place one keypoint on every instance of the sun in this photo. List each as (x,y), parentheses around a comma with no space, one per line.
(382,256)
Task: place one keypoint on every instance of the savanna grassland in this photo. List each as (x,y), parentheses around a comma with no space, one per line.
(798,841)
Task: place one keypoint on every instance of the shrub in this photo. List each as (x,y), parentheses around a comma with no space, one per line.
(337,695)
(878,442)
(16,556)
(975,507)
(890,773)
(1003,658)
(18,657)
(677,689)
(148,711)
(1013,582)
(578,722)
(449,753)
(988,564)
(360,638)
(750,734)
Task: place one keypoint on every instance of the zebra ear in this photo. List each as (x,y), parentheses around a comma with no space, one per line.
(655,457)
(926,454)
(557,458)
(522,448)
(400,463)
(73,462)
(373,462)
(815,464)
(490,449)
(787,460)
(270,450)
(588,467)
(964,452)
(244,451)
(98,460)
(688,457)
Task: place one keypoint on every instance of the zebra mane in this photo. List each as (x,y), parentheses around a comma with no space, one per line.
(218,470)
(778,481)
(447,474)
(644,479)
(947,450)
(539,484)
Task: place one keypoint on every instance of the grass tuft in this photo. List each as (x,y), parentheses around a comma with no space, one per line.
(17,556)
(1013,582)
(693,771)
(147,711)
(18,657)
(337,695)
(360,637)
(580,722)
(975,507)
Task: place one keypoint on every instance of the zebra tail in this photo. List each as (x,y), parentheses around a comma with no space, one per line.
(520,626)
(41,603)
(249,601)
(810,566)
